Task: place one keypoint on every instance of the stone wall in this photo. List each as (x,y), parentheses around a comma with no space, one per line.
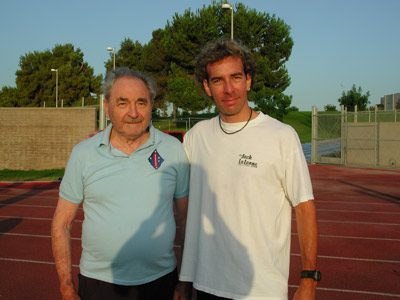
(42,138)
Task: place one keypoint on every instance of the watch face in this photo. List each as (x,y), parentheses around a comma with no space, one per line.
(317,276)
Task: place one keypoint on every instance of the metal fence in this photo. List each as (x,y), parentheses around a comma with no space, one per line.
(181,124)
(370,138)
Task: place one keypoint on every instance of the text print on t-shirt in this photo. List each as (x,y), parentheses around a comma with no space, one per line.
(246,161)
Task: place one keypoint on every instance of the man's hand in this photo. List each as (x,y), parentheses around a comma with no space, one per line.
(68,293)
(71,297)
(183,291)
(306,290)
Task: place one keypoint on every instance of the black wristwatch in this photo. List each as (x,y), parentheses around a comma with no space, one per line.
(316,275)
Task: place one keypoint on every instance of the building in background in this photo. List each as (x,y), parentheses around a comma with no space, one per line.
(390,102)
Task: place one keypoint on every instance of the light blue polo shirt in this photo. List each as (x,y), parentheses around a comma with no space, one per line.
(129,227)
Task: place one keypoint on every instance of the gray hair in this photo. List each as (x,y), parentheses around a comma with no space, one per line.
(113,75)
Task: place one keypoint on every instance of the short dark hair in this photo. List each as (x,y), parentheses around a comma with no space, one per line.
(113,75)
(217,50)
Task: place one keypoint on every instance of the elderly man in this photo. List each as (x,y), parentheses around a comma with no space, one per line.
(126,177)
(247,172)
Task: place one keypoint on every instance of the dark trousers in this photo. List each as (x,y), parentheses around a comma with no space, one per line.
(159,289)
(204,296)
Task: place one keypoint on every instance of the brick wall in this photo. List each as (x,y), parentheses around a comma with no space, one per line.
(42,138)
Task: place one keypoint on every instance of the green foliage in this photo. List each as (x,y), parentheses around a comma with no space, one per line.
(185,93)
(275,105)
(354,97)
(187,33)
(129,55)
(330,107)
(155,64)
(36,83)
(268,37)
(8,97)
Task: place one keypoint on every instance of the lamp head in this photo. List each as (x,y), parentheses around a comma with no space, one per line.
(227,6)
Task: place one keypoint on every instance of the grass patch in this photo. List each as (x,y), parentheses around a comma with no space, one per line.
(31,175)
(301,122)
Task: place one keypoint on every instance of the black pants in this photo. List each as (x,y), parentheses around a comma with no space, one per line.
(204,296)
(160,289)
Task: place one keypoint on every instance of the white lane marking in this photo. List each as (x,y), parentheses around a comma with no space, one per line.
(355,237)
(360,211)
(32,235)
(32,218)
(31,261)
(352,291)
(354,258)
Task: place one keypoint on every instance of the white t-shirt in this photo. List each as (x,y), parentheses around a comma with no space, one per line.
(242,190)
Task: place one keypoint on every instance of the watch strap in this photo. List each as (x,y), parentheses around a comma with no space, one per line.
(314,274)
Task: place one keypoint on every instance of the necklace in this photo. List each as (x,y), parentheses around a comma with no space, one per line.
(220,125)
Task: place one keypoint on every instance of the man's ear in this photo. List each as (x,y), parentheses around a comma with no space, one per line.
(248,82)
(105,105)
(206,87)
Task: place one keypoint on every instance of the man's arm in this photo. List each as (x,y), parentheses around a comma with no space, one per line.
(307,231)
(183,290)
(61,240)
(181,206)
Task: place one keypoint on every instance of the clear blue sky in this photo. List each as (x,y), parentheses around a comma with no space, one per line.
(337,43)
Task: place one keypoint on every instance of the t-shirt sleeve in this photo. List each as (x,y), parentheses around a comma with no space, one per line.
(297,185)
(187,142)
(182,181)
(71,188)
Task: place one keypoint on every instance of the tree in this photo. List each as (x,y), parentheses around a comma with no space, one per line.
(330,107)
(354,97)
(36,83)
(183,39)
(274,104)
(185,93)
(129,55)
(155,64)
(268,37)
(8,96)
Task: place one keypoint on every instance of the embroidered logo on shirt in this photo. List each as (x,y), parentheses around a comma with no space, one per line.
(155,159)
(246,161)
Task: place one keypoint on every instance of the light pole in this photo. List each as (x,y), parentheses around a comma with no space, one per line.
(228,6)
(56,70)
(113,50)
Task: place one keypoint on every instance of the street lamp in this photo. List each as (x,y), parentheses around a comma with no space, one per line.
(56,70)
(228,6)
(113,50)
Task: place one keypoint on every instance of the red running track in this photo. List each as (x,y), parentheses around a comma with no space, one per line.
(358,213)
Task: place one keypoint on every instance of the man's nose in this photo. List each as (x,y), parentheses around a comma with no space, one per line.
(132,110)
(228,87)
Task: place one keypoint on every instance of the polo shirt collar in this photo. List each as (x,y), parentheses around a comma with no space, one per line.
(152,140)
